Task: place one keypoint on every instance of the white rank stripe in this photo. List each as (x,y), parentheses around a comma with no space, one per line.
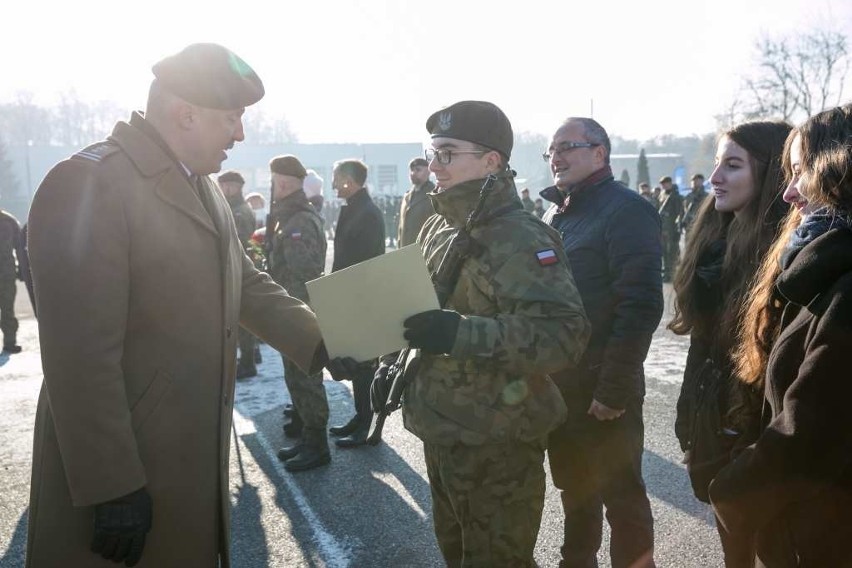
(335,553)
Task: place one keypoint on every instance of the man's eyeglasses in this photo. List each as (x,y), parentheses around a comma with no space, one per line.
(445,155)
(565,147)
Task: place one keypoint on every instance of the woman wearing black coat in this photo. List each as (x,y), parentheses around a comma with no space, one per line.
(791,491)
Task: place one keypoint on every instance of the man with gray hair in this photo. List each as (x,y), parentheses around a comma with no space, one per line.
(611,236)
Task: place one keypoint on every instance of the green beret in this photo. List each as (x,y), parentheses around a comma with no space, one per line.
(231,175)
(210,76)
(288,165)
(479,122)
(665,179)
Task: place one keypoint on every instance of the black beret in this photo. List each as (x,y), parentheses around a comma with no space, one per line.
(288,165)
(232,175)
(210,76)
(479,122)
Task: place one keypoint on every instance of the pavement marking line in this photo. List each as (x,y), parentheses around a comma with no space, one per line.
(337,554)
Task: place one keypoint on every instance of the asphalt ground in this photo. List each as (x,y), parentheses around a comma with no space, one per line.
(369,506)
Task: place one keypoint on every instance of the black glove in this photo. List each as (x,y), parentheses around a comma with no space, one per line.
(433,331)
(343,368)
(120,527)
(380,388)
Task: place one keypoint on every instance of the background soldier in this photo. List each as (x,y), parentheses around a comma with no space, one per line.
(298,255)
(359,236)
(416,206)
(692,202)
(671,214)
(10,246)
(482,401)
(529,205)
(231,183)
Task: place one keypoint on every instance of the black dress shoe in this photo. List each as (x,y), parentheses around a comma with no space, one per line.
(355,439)
(345,429)
(289,452)
(12,348)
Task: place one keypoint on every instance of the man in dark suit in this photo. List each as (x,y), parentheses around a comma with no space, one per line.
(360,236)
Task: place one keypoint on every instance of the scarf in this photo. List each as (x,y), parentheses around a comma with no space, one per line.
(813,225)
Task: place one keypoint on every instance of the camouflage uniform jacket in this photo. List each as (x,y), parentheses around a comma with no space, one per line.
(243,218)
(522,319)
(298,246)
(10,241)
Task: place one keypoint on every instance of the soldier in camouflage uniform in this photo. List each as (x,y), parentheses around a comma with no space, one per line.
(692,202)
(10,243)
(482,401)
(231,183)
(298,255)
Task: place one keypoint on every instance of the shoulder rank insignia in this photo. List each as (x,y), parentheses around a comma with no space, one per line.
(546,257)
(296,236)
(98,151)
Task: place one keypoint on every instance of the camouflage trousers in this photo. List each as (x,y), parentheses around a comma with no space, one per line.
(247,342)
(8,321)
(308,395)
(487,502)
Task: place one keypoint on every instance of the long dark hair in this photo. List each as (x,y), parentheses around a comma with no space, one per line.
(747,235)
(826,161)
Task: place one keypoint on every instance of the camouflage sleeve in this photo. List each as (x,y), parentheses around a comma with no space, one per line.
(540,325)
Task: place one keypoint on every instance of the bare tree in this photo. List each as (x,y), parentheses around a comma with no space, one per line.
(259,128)
(795,77)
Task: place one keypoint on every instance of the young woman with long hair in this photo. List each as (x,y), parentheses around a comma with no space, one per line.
(716,414)
(790,492)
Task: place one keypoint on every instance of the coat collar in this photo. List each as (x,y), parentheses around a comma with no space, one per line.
(153,158)
(817,267)
(457,203)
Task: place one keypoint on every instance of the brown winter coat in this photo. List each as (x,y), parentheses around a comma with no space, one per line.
(140,295)
(793,487)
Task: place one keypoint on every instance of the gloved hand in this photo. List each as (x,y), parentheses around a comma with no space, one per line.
(121,526)
(433,331)
(380,388)
(343,368)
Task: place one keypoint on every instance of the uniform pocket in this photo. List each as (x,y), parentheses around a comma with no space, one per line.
(149,400)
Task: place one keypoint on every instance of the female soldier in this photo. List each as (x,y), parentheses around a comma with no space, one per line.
(733,231)
(792,489)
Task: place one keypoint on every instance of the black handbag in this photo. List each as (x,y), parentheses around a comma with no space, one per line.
(710,442)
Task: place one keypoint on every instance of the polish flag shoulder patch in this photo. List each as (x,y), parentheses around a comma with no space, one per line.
(296,236)
(547,257)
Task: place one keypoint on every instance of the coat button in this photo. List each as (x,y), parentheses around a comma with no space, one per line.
(228,332)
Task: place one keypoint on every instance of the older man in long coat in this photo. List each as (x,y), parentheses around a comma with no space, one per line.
(141,285)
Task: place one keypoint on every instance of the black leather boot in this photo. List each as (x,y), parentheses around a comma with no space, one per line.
(313,452)
(293,429)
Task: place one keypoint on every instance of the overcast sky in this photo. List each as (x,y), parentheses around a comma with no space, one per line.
(373,70)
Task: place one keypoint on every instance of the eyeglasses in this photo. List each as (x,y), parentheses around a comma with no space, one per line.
(445,155)
(565,147)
